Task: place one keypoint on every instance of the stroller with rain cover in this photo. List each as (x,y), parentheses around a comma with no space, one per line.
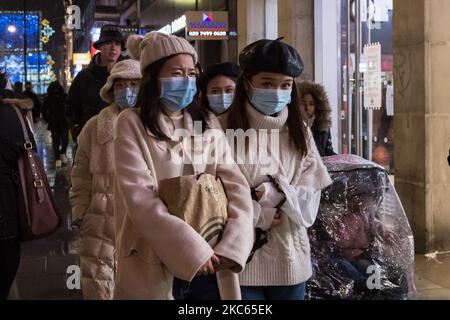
(361,243)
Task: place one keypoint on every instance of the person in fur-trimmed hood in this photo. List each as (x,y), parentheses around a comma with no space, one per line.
(314,101)
(92,183)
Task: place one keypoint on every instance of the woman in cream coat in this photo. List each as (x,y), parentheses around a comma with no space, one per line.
(153,245)
(92,178)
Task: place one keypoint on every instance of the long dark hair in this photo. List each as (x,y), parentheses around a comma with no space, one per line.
(151,107)
(322,110)
(238,119)
(56,90)
(55,99)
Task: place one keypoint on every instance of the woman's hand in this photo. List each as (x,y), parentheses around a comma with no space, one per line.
(310,121)
(225,264)
(276,221)
(258,195)
(268,195)
(208,267)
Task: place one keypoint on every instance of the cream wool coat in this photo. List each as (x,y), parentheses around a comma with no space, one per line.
(153,246)
(285,260)
(91,197)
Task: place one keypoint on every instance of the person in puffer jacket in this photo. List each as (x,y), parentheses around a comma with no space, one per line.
(92,179)
(315,104)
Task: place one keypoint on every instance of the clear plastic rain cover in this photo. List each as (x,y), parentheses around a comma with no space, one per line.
(361,243)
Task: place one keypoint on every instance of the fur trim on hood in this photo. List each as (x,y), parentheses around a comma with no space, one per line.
(323,109)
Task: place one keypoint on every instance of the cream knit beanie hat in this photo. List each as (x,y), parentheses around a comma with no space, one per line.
(125,69)
(155,46)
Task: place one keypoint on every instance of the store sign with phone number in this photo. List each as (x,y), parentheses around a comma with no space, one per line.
(201,25)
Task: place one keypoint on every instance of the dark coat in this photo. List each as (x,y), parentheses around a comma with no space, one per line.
(54,104)
(37,108)
(323,142)
(11,147)
(83,100)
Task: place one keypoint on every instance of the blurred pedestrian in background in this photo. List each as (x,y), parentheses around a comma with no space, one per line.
(54,105)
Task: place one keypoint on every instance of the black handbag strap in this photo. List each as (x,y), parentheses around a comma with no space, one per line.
(261,238)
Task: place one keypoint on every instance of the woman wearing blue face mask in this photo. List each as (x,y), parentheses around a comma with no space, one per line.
(217,86)
(285,173)
(154,246)
(92,179)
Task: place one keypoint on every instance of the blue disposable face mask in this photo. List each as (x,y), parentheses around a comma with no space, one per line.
(177,93)
(219,103)
(270,101)
(125,98)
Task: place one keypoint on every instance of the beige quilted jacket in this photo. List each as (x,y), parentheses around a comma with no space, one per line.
(91,197)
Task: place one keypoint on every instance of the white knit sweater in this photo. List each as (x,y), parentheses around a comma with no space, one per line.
(285,259)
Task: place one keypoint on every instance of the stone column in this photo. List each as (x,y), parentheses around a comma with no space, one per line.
(251,22)
(296,25)
(257,19)
(291,19)
(422,118)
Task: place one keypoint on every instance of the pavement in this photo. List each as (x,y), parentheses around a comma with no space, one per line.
(48,267)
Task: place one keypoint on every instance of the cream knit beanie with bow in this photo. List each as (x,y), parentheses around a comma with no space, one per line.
(155,46)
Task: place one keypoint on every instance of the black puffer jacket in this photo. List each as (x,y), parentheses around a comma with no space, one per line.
(11,147)
(323,142)
(84,101)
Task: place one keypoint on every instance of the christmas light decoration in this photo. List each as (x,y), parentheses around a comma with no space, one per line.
(50,60)
(12,30)
(46,31)
(39,62)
